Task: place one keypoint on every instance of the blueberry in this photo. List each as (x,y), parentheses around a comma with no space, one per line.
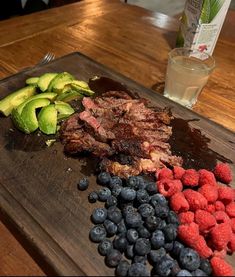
(143,232)
(111,201)
(132,236)
(152,222)
(83,184)
(161,211)
(133,182)
(104,194)
(170,232)
(114,214)
(158,199)
(169,246)
(99,215)
(128,194)
(113,258)
(128,208)
(110,227)
(133,220)
(122,268)
(121,227)
(184,273)
(161,224)
(103,178)
(163,268)
(156,255)
(138,269)
(140,259)
(142,196)
(129,251)
(175,269)
(151,188)
(97,233)
(172,218)
(93,197)
(157,239)
(205,266)
(105,246)
(189,259)
(198,272)
(120,243)
(146,210)
(116,190)
(115,181)
(177,247)
(141,182)
(142,246)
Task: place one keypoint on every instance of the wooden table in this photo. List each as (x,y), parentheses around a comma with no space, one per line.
(126,38)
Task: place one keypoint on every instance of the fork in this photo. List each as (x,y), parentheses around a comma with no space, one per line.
(47,58)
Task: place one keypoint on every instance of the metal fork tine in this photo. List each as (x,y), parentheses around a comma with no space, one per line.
(47,58)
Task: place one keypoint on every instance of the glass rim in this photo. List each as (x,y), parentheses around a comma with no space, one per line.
(208,58)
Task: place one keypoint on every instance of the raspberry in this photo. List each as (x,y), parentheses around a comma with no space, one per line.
(209,192)
(221,235)
(168,187)
(202,248)
(221,217)
(206,177)
(226,194)
(219,206)
(178,172)
(221,254)
(221,268)
(195,199)
(210,208)
(232,223)
(230,209)
(231,244)
(223,173)
(189,233)
(164,173)
(178,203)
(190,178)
(186,217)
(205,220)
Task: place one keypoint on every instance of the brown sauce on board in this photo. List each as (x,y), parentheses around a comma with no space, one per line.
(185,141)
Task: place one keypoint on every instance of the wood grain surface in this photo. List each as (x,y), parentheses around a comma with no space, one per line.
(128,39)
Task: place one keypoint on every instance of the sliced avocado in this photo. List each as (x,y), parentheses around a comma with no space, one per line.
(18,121)
(69,96)
(61,77)
(46,95)
(82,90)
(32,81)
(64,109)
(81,84)
(61,85)
(47,119)
(45,80)
(15,99)
(29,116)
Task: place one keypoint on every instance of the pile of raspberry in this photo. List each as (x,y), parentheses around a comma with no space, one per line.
(204,202)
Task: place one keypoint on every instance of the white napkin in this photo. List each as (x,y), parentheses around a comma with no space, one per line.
(23,2)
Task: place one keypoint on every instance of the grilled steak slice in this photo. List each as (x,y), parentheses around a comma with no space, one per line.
(115,125)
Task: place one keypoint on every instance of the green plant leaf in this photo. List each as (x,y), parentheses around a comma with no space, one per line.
(205,13)
(215,7)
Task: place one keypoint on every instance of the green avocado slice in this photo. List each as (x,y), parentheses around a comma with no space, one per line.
(46,95)
(18,121)
(47,119)
(61,77)
(32,81)
(29,116)
(15,99)
(64,110)
(45,80)
(82,90)
(69,96)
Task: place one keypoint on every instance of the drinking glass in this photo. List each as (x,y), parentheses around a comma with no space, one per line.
(187,73)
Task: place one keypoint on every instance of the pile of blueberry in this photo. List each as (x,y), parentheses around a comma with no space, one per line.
(137,232)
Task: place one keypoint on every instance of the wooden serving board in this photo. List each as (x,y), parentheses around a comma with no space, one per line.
(38,184)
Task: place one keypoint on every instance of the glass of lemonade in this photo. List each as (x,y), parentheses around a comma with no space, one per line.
(187,73)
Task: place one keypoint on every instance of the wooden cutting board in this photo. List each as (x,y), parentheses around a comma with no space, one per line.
(38,184)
